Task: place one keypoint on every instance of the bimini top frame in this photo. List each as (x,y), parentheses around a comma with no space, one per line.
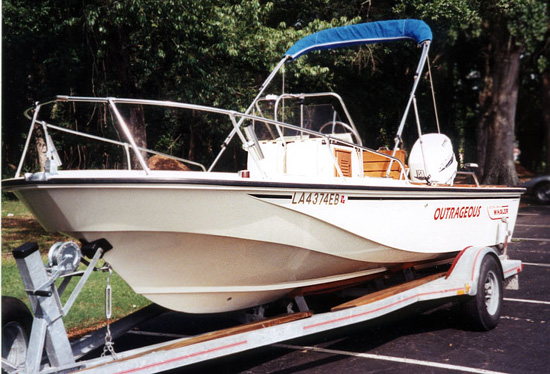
(352,35)
(368,33)
(363,33)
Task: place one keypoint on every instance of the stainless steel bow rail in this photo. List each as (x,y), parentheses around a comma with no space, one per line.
(477,275)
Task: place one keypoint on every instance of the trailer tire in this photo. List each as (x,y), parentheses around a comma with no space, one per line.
(483,310)
(16,329)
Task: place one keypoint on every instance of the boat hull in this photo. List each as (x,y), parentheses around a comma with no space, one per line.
(217,245)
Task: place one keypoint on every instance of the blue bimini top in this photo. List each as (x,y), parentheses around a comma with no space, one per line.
(363,33)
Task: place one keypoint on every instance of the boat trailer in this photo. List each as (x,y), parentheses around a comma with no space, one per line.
(477,275)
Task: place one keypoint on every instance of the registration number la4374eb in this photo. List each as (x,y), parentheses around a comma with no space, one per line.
(318,198)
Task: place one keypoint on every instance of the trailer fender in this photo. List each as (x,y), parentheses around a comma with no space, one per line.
(467,265)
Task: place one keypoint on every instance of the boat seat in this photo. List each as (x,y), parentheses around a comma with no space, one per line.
(158,162)
(375,165)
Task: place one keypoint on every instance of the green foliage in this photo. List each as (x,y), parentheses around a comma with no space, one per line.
(461,55)
(219,52)
(526,20)
(208,53)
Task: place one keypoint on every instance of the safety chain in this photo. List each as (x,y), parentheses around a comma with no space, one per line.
(109,345)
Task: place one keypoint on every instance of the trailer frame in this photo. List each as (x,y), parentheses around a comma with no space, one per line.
(462,279)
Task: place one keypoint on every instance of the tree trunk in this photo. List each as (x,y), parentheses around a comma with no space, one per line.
(119,62)
(41,150)
(498,100)
(136,124)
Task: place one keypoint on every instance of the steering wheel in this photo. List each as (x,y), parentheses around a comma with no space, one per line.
(345,126)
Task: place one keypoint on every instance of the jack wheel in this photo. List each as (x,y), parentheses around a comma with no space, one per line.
(483,310)
(16,329)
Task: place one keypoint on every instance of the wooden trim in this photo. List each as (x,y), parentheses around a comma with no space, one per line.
(379,295)
(269,322)
(335,286)
(375,165)
(344,161)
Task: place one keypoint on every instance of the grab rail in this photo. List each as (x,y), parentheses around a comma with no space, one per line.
(233,115)
(122,144)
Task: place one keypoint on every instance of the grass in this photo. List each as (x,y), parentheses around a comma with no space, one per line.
(19,226)
(88,312)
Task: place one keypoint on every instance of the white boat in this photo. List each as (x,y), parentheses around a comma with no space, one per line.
(311,206)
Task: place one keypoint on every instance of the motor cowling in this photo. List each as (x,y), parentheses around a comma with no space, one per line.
(432,160)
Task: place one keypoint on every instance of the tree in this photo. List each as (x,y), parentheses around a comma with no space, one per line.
(42,56)
(219,52)
(203,52)
(543,67)
(533,132)
(503,30)
(512,28)
(498,101)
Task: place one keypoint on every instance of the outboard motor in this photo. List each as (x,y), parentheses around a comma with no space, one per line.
(432,160)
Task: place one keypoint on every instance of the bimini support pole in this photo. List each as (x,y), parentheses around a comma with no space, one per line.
(417,75)
(128,135)
(260,93)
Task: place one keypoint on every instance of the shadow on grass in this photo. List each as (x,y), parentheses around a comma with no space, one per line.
(19,230)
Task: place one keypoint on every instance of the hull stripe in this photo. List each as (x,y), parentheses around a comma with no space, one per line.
(489,191)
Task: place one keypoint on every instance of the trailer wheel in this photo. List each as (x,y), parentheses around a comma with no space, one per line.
(483,310)
(16,328)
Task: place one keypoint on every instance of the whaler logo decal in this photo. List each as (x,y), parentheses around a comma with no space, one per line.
(318,198)
(457,212)
(498,212)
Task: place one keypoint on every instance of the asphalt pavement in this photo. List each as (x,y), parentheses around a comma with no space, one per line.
(436,341)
